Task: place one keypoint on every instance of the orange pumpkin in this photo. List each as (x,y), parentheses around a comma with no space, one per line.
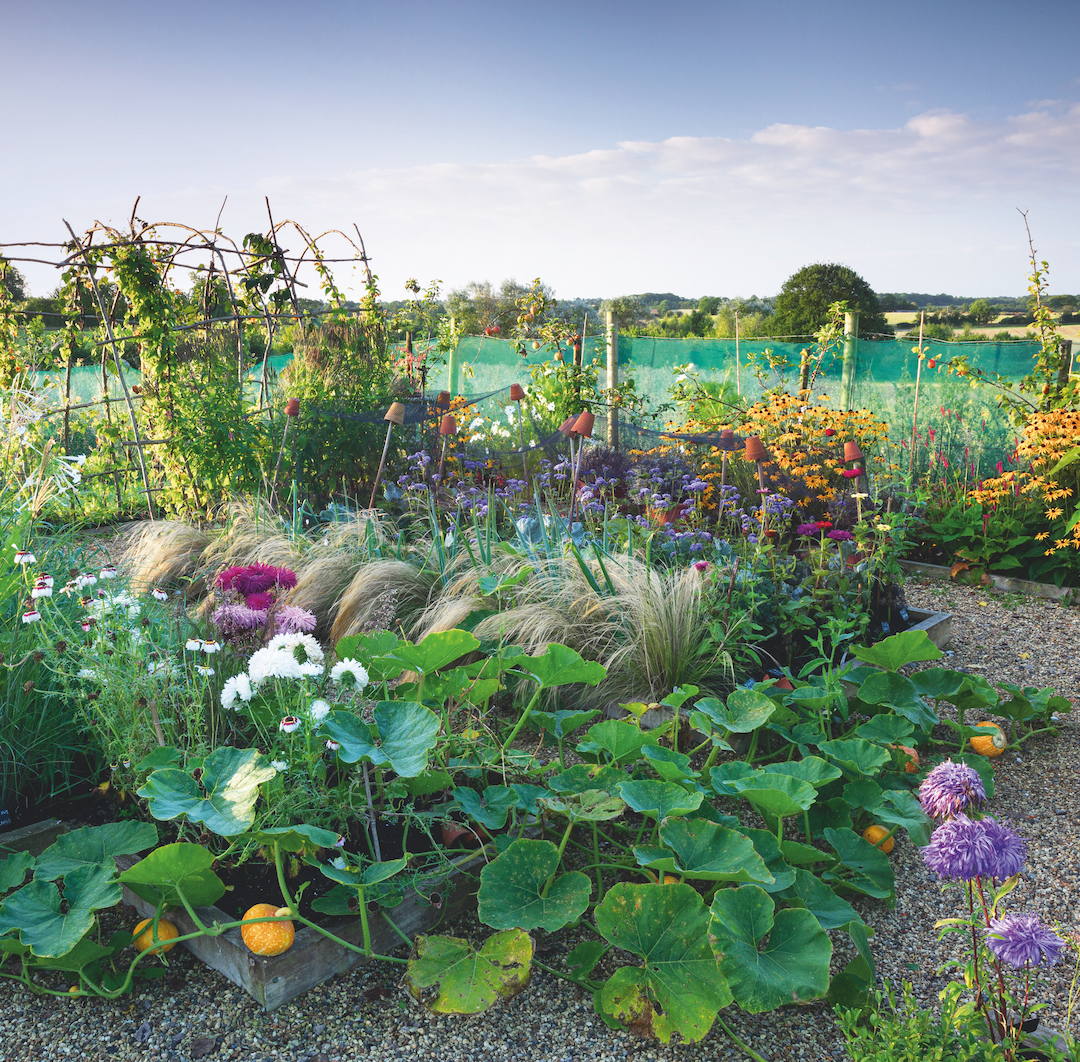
(144,936)
(989,744)
(874,835)
(267,938)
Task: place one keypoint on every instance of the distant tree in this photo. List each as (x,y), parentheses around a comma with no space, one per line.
(478,306)
(802,307)
(709,304)
(628,311)
(13,281)
(981,312)
(891,302)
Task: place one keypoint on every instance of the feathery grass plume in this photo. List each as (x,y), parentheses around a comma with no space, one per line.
(649,628)
(253,534)
(165,552)
(365,595)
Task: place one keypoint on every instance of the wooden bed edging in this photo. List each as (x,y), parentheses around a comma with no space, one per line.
(1068,595)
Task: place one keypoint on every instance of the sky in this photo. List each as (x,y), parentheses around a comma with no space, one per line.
(608,148)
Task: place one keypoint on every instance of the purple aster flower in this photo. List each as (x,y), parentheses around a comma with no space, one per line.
(964,849)
(810,530)
(236,619)
(951,788)
(840,536)
(1022,939)
(292,619)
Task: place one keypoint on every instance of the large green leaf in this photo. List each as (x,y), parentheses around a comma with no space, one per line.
(886,729)
(403,734)
(856,756)
(659,799)
(708,851)
(223,799)
(776,795)
(812,769)
(617,740)
(901,808)
(559,665)
(594,805)
(561,723)
(363,876)
(672,766)
(301,838)
(679,988)
(809,891)
(792,968)
(451,977)
(512,889)
(744,712)
(176,869)
(490,809)
(584,776)
(893,653)
(94,846)
(938,683)
(435,651)
(898,692)
(51,924)
(862,868)
(724,778)
(13,870)
(768,848)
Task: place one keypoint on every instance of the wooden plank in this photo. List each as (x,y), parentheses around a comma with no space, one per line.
(1069,595)
(33,839)
(273,980)
(938,625)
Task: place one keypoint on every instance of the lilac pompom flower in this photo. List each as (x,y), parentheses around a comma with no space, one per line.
(951,788)
(807,530)
(1022,939)
(963,850)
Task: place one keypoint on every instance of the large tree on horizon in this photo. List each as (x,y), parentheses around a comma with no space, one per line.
(802,307)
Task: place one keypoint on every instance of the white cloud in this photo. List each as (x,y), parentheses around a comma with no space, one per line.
(929,206)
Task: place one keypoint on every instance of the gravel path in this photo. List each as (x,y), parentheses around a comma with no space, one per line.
(196,1013)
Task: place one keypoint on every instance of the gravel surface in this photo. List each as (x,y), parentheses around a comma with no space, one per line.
(196,1013)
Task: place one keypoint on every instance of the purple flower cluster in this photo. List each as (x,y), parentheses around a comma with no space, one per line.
(247,613)
(249,579)
(840,536)
(1023,939)
(964,849)
(951,788)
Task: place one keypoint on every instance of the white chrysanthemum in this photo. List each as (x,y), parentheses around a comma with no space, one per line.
(319,710)
(311,651)
(237,688)
(348,672)
(279,765)
(267,663)
(87,673)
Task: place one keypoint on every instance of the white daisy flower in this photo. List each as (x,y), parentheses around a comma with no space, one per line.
(82,581)
(108,572)
(87,673)
(333,746)
(206,672)
(158,594)
(31,616)
(41,590)
(194,645)
(319,710)
(211,646)
(24,556)
(356,673)
(289,725)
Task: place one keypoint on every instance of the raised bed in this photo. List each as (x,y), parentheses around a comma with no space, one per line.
(34,838)
(313,958)
(1068,595)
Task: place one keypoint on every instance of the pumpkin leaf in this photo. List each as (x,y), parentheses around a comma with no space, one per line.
(861,868)
(449,976)
(938,683)
(672,766)
(658,800)
(856,757)
(792,968)
(584,776)
(561,723)
(172,870)
(619,741)
(901,808)
(512,889)
(776,795)
(492,808)
(301,838)
(558,665)
(898,693)
(708,851)
(13,870)
(678,989)
(94,846)
(435,651)
(51,924)
(812,769)
(907,647)
(724,777)
(223,799)
(766,845)
(594,805)
(809,891)
(405,732)
(744,712)
(886,729)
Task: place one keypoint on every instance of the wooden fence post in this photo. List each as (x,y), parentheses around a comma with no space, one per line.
(612,380)
(851,354)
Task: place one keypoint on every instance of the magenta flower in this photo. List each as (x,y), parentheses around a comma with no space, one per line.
(964,849)
(951,788)
(840,536)
(851,473)
(1022,939)
(262,600)
(810,530)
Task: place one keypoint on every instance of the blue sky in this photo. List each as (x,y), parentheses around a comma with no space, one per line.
(702,148)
